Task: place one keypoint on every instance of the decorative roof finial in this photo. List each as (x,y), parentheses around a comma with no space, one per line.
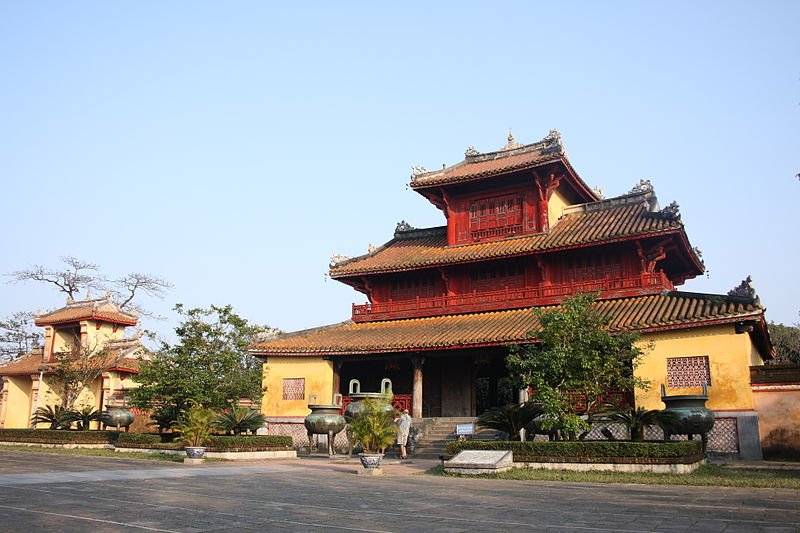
(471,151)
(416,170)
(512,143)
(745,289)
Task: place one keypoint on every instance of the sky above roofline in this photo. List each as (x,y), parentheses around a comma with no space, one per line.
(233,149)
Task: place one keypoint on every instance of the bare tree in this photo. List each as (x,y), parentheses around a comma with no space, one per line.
(126,287)
(75,277)
(80,276)
(17,336)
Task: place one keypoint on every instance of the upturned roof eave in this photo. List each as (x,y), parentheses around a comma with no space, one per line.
(435,264)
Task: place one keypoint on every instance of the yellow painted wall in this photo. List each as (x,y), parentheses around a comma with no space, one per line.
(19,402)
(729,357)
(555,207)
(319,381)
(779,419)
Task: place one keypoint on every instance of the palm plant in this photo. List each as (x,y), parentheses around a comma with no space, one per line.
(374,427)
(194,426)
(238,419)
(83,416)
(510,418)
(55,415)
(638,418)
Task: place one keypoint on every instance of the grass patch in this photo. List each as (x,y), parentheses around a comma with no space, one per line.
(97,452)
(706,475)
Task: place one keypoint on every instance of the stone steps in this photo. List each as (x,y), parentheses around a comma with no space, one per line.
(435,433)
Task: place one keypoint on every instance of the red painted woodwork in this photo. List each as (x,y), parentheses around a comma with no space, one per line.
(617,398)
(511,298)
(399,402)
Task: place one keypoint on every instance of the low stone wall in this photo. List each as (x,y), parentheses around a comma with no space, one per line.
(230,456)
(617,467)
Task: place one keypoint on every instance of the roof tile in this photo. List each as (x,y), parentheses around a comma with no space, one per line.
(645,313)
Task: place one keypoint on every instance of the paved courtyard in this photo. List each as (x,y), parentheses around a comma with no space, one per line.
(48,492)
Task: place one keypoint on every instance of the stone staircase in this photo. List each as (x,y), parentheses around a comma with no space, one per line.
(435,433)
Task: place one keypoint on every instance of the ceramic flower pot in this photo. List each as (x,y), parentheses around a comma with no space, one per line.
(370,460)
(195,452)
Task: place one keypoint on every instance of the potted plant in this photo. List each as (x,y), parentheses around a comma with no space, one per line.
(374,430)
(194,426)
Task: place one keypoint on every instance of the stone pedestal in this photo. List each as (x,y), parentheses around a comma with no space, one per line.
(193,461)
(370,472)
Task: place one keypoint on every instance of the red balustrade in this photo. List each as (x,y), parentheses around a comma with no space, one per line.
(399,402)
(646,283)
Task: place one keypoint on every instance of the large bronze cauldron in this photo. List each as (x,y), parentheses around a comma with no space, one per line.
(118,417)
(353,409)
(693,417)
(324,420)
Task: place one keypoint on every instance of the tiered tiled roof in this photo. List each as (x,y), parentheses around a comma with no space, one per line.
(511,158)
(589,224)
(665,311)
(101,309)
(125,355)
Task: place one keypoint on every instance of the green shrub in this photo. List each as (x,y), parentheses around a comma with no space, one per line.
(249,442)
(583,451)
(169,441)
(125,439)
(58,436)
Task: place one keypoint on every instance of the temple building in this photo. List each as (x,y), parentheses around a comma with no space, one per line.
(87,328)
(522,230)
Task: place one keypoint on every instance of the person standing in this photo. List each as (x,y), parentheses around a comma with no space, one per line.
(403,430)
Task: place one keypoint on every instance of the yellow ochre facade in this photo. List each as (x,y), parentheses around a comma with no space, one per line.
(88,327)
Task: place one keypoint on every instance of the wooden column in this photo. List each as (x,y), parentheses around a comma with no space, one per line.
(337,380)
(36,389)
(4,400)
(416,401)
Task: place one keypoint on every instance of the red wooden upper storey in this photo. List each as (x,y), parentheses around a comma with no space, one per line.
(497,252)
(503,193)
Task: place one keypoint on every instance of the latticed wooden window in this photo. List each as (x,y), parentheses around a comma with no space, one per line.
(688,371)
(494,217)
(294,388)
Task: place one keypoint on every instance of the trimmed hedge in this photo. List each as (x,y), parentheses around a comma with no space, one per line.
(167,441)
(60,436)
(249,442)
(149,440)
(602,451)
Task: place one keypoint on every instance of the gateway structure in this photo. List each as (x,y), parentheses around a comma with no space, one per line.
(522,230)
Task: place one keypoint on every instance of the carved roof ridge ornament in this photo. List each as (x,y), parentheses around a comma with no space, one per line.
(671,212)
(470,152)
(403,226)
(338,259)
(643,186)
(418,170)
(699,253)
(745,290)
(512,143)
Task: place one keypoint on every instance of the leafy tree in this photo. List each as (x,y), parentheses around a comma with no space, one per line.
(575,354)
(208,366)
(75,371)
(786,340)
(17,336)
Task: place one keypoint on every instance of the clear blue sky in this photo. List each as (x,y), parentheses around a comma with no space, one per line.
(233,147)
